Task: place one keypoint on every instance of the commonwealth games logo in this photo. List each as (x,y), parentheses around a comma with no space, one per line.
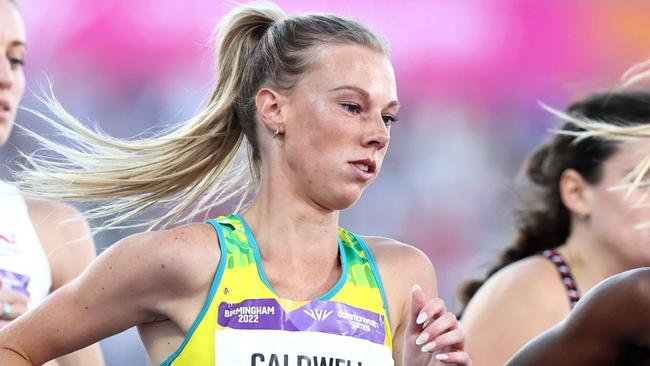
(318,315)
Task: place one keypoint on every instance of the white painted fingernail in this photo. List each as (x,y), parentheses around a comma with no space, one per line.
(423,337)
(416,287)
(429,347)
(442,356)
(421,318)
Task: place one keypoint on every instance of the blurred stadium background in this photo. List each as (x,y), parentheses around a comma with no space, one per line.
(470,76)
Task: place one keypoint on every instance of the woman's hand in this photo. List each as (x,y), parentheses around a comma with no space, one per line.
(433,334)
(12,305)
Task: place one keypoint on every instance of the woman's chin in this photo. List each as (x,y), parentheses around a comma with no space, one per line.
(344,200)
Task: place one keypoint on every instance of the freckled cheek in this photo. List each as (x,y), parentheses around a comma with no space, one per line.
(313,157)
(329,139)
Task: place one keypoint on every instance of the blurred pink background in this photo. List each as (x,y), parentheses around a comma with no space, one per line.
(470,75)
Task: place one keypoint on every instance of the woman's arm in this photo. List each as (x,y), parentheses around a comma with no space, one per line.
(69,247)
(142,278)
(515,305)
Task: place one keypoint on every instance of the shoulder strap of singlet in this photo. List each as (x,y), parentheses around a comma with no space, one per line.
(363,266)
(565,273)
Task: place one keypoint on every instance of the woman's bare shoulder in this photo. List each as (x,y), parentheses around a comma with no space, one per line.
(401,266)
(532,283)
(180,260)
(512,307)
(401,262)
(395,253)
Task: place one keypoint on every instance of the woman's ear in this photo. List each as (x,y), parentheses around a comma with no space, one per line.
(575,193)
(269,110)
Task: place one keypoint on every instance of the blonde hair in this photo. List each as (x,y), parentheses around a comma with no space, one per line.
(196,165)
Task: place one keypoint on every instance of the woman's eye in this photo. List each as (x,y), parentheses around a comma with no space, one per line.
(352,108)
(16,62)
(389,119)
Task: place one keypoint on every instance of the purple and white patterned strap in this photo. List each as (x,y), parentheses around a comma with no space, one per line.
(565,273)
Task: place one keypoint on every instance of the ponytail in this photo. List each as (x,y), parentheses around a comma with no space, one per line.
(193,166)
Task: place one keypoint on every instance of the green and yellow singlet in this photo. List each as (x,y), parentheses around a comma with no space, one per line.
(244,322)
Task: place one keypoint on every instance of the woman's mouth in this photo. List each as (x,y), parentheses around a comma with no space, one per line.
(365,168)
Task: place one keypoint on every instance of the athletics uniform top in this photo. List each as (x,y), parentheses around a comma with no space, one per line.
(244,322)
(565,273)
(23,264)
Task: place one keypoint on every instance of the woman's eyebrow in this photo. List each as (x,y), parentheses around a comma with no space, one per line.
(17,44)
(365,94)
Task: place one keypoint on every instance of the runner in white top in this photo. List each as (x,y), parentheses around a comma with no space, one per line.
(43,244)
(23,264)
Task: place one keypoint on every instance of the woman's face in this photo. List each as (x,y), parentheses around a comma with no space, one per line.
(12,78)
(337,124)
(615,214)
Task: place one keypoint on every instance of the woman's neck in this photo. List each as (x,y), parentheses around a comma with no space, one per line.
(589,260)
(298,244)
(288,227)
